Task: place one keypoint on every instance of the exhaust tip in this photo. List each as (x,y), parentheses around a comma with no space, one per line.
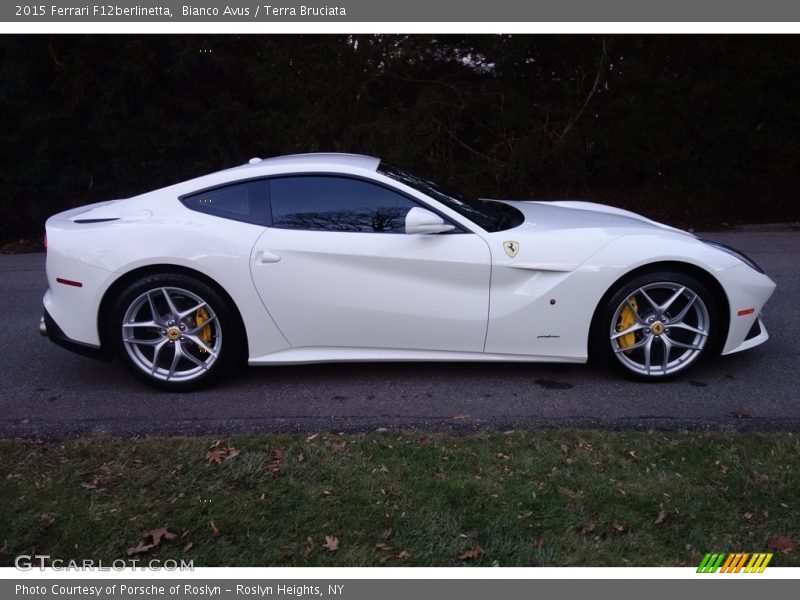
(42,326)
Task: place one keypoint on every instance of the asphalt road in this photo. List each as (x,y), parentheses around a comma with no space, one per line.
(49,392)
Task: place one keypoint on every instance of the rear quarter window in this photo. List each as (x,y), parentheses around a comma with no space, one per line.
(246,201)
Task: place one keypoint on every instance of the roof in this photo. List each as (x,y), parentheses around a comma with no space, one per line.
(329,159)
(314,162)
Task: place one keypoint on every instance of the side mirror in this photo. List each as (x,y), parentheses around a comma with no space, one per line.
(419,220)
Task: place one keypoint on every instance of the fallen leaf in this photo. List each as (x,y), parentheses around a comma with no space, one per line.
(301,457)
(311,437)
(155,536)
(338,447)
(748,516)
(382,547)
(220,451)
(622,527)
(141,548)
(384,469)
(781,544)
(215,456)
(276,457)
(462,417)
(424,441)
(723,469)
(471,553)
(742,414)
(331,543)
(386,534)
(159,534)
(633,454)
(538,543)
(588,528)
(188,547)
(309,547)
(402,555)
(214,529)
(662,516)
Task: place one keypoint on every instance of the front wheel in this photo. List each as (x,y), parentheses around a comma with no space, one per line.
(174,332)
(657,325)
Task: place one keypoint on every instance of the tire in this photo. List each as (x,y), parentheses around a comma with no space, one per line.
(657,326)
(175,332)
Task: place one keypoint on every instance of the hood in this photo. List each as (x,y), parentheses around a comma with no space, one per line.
(562,235)
(573,214)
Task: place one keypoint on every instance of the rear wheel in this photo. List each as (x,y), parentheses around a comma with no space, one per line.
(175,332)
(657,325)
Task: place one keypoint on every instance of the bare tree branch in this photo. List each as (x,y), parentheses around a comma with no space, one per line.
(577,115)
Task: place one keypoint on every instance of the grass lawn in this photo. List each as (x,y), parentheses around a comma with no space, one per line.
(541,498)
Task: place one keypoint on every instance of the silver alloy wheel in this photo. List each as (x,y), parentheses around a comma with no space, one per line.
(659,329)
(171,334)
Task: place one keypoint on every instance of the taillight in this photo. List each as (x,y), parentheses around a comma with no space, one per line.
(45,242)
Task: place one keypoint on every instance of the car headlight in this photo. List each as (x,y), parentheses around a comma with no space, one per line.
(733,252)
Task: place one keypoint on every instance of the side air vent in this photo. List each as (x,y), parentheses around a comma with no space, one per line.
(754,330)
(82,221)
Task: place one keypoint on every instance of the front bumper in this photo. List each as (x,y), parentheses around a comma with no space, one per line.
(747,292)
(49,328)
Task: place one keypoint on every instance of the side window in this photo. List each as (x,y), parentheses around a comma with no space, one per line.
(327,203)
(245,201)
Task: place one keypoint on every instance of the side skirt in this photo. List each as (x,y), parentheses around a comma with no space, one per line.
(300,356)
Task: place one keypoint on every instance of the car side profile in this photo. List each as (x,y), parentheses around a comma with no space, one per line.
(338,257)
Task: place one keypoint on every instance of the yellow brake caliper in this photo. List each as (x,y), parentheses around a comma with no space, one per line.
(626,319)
(200,317)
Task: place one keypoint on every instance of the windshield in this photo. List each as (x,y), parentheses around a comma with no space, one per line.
(488,214)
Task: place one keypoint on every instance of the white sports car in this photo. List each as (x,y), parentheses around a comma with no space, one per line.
(338,257)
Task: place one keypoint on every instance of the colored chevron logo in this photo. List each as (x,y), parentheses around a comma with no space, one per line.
(734,563)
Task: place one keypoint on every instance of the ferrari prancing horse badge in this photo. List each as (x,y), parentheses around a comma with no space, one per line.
(511,248)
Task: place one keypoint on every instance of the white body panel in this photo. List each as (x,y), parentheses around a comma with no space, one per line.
(307,296)
(218,248)
(375,290)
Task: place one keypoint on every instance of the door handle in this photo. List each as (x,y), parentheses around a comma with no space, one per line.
(265,257)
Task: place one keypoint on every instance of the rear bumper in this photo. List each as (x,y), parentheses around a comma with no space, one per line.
(48,327)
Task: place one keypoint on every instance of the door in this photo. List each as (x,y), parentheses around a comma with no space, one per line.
(336,269)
